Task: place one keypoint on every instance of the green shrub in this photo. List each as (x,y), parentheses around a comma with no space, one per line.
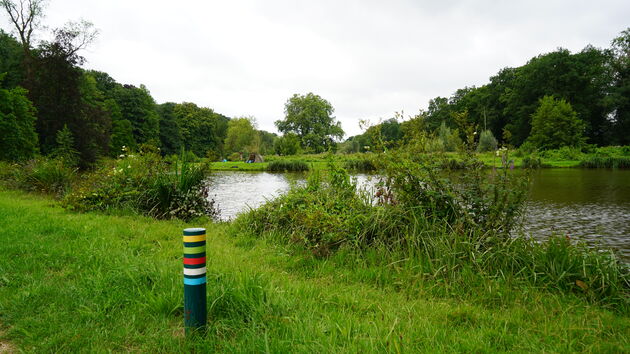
(45,175)
(146,184)
(287,166)
(235,156)
(487,142)
(532,162)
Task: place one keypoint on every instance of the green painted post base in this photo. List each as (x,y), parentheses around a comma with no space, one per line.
(195,316)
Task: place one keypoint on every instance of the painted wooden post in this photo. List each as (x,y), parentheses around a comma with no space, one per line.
(195,312)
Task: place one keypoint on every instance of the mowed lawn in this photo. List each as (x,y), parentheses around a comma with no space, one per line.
(93,282)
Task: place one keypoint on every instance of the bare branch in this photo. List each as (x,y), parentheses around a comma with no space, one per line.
(25,16)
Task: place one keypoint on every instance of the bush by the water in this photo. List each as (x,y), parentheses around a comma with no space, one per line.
(287,166)
(455,230)
(362,165)
(45,175)
(487,142)
(145,183)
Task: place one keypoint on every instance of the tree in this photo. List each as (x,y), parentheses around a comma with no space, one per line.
(170,132)
(65,147)
(267,141)
(621,89)
(10,61)
(556,124)
(202,129)
(288,144)
(18,140)
(310,118)
(242,136)
(64,95)
(138,107)
(25,16)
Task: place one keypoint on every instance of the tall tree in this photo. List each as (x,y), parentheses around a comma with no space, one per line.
(621,89)
(18,140)
(170,132)
(138,107)
(63,95)
(555,124)
(26,16)
(202,129)
(310,117)
(10,61)
(242,136)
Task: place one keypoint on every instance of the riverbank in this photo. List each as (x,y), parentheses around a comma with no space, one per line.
(76,282)
(605,157)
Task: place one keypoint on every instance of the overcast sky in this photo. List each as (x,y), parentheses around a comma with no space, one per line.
(368,58)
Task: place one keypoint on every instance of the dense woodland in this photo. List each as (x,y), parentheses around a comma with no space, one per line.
(594,84)
(51,105)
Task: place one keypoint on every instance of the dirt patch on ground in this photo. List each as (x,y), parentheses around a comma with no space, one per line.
(6,347)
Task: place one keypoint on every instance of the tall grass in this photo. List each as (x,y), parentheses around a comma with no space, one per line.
(605,162)
(287,166)
(45,175)
(359,165)
(447,230)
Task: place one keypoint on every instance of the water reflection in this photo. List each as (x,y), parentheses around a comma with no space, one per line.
(590,205)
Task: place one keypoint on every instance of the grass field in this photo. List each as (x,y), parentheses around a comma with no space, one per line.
(91,282)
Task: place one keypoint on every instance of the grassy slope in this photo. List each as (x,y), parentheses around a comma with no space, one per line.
(71,282)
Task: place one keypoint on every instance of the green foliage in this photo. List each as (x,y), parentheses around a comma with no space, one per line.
(442,229)
(170,132)
(620,91)
(555,124)
(264,298)
(122,130)
(364,164)
(11,57)
(450,139)
(138,107)
(64,95)
(242,136)
(605,162)
(267,142)
(18,140)
(52,176)
(202,129)
(288,144)
(144,183)
(65,147)
(235,156)
(487,142)
(287,166)
(310,118)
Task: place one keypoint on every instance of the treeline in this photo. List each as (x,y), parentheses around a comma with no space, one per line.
(49,105)
(555,99)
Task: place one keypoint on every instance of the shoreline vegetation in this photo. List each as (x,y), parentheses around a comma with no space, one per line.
(606,157)
(424,264)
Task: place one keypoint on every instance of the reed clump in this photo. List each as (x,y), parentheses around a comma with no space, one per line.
(287,166)
(605,162)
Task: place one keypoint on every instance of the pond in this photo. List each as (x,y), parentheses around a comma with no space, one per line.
(589,205)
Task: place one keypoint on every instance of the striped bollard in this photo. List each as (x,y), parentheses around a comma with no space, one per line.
(195,312)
